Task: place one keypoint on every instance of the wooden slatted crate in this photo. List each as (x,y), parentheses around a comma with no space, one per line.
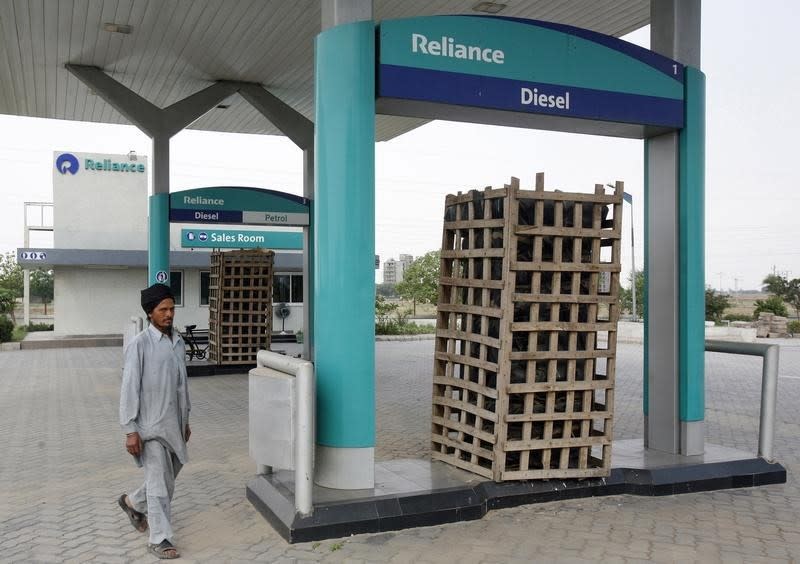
(523,383)
(240,305)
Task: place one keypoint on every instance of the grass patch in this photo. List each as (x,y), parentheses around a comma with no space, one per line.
(400,328)
(19,333)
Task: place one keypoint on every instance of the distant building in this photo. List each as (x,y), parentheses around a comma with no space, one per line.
(406,260)
(99,254)
(393,270)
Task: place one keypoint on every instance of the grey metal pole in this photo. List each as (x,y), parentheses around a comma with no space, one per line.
(769,398)
(769,386)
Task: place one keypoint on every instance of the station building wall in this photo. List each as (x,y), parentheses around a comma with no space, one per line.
(98,206)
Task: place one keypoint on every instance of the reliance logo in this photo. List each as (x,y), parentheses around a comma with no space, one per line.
(67,163)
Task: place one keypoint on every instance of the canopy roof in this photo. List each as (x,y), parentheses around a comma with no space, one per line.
(178,47)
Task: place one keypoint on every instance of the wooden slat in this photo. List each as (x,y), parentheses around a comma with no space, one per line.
(568,197)
(471,282)
(557,416)
(473,253)
(561,355)
(559,386)
(544,231)
(458,426)
(466,385)
(474,224)
(517,265)
(564,298)
(555,473)
(540,444)
(463,464)
(466,360)
(466,336)
(462,405)
(470,309)
(563,326)
(468,447)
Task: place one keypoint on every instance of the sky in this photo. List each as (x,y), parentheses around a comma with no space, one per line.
(752,204)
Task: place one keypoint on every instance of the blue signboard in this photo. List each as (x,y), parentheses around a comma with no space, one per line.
(238,239)
(528,66)
(204,216)
(234,204)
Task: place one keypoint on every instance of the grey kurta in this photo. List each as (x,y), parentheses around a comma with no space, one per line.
(154,399)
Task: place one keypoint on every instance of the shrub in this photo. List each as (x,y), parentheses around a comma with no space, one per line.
(6,329)
(40,327)
(716,304)
(19,333)
(773,304)
(395,328)
(793,327)
(737,317)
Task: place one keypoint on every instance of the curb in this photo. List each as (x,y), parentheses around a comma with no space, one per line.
(423,337)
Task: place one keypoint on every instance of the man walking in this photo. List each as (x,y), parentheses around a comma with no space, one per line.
(154,413)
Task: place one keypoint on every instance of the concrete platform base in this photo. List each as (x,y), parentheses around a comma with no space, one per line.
(416,493)
(206,368)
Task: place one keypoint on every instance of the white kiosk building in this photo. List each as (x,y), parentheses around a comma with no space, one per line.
(99,254)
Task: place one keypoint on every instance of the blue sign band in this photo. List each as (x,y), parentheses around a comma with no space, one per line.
(205,216)
(506,94)
(659,62)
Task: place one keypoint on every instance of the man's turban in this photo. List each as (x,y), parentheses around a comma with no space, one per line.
(154,295)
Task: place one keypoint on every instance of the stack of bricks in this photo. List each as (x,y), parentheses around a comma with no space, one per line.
(240,305)
(771,325)
(523,381)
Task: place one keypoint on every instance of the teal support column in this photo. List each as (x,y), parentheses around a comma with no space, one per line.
(344,254)
(646,325)
(158,240)
(692,263)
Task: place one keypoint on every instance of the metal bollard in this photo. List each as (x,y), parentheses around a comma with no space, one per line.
(305,396)
(769,386)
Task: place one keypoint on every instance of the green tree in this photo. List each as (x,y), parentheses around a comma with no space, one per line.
(42,286)
(386,290)
(626,299)
(421,280)
(716,304)
(787,290)
(7,302)
(772,304)
(11,274)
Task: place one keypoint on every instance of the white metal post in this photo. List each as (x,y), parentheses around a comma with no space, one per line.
(304,424)
(304,443)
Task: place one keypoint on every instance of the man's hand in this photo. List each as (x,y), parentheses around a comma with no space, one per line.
(187,433)
(133,444)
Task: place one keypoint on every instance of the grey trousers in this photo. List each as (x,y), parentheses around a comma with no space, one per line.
(154,497)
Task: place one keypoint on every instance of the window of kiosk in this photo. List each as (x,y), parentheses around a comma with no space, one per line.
(176,285)
(287,288)
(205,282)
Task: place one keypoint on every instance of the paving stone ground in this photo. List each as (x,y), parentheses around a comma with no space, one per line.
(62,466)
